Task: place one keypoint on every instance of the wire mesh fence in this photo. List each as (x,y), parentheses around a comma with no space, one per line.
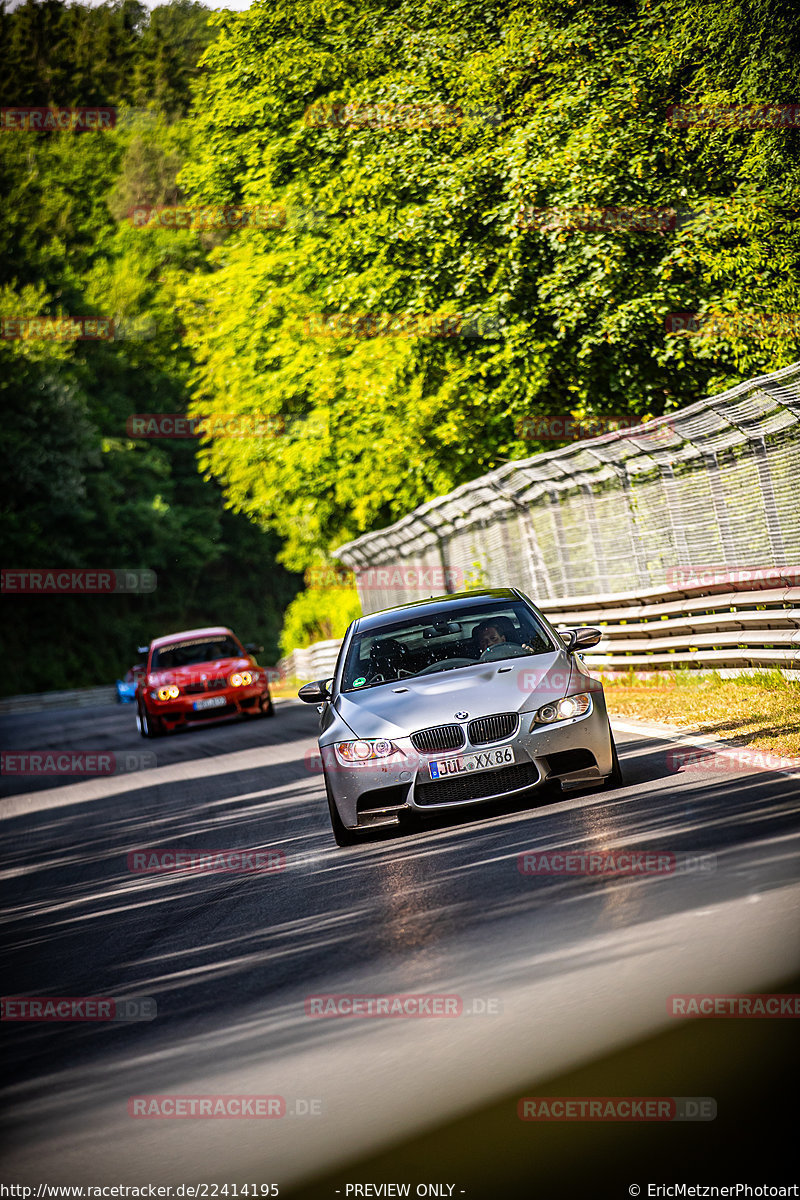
(712,486)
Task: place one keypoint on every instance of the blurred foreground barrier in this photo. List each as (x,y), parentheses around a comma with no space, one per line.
(76,698)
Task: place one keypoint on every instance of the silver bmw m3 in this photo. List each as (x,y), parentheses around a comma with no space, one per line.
(457,701)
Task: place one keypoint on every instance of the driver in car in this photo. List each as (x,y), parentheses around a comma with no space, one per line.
(489,635)
(494,633)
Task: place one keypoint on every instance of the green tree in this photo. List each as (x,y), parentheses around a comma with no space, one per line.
(423,217)
(80,490)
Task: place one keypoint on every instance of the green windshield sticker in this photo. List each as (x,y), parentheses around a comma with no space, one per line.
(359,682)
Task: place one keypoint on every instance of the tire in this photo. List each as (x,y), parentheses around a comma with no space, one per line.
(616,778)
(148,726)
(341,834)
(263,710)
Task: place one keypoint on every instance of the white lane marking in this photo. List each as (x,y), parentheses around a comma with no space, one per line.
(722,747)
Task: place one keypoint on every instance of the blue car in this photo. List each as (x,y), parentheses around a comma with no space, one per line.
(126,688)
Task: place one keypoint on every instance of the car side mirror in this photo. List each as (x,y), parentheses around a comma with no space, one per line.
(582,638)
(253,648)
(315,693)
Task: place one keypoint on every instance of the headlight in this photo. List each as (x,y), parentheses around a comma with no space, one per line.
(240,679)
(355,752)
(564,710)
(168,693)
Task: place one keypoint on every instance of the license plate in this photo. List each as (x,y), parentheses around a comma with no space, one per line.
(489,760)
(212,702)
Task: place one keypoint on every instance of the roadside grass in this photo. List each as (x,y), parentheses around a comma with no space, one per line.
(760,709)
(285,689)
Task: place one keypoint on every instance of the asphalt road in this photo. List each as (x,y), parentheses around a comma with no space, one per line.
(550,971)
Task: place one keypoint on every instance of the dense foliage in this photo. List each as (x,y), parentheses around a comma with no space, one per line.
(405,174)
(565,108)
(79,491)
(320,611)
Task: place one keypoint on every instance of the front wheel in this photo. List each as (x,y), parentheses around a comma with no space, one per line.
(341,834)
(264,708)
(148,726)
(615,779)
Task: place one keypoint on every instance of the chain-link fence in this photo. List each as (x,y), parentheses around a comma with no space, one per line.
(716,484)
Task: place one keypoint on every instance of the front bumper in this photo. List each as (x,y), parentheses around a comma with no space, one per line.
(236,702)
(575,753)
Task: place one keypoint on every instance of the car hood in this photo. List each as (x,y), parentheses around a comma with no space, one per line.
(504,685)
(195,672)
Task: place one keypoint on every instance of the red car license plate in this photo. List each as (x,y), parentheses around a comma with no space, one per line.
(212,702)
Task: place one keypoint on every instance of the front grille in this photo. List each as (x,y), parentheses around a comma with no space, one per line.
(477,787)
(439,737)
(211,685)
(492,729)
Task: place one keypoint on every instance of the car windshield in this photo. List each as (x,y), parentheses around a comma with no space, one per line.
(184,654)
(460,637)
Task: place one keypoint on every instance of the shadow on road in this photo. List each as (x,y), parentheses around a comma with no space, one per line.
(78,922)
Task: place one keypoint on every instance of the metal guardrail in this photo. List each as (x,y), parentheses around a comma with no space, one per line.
(710,626)
(75,698)
(706,627)
(312,662)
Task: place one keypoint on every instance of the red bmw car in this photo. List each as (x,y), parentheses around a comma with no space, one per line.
(199,676)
